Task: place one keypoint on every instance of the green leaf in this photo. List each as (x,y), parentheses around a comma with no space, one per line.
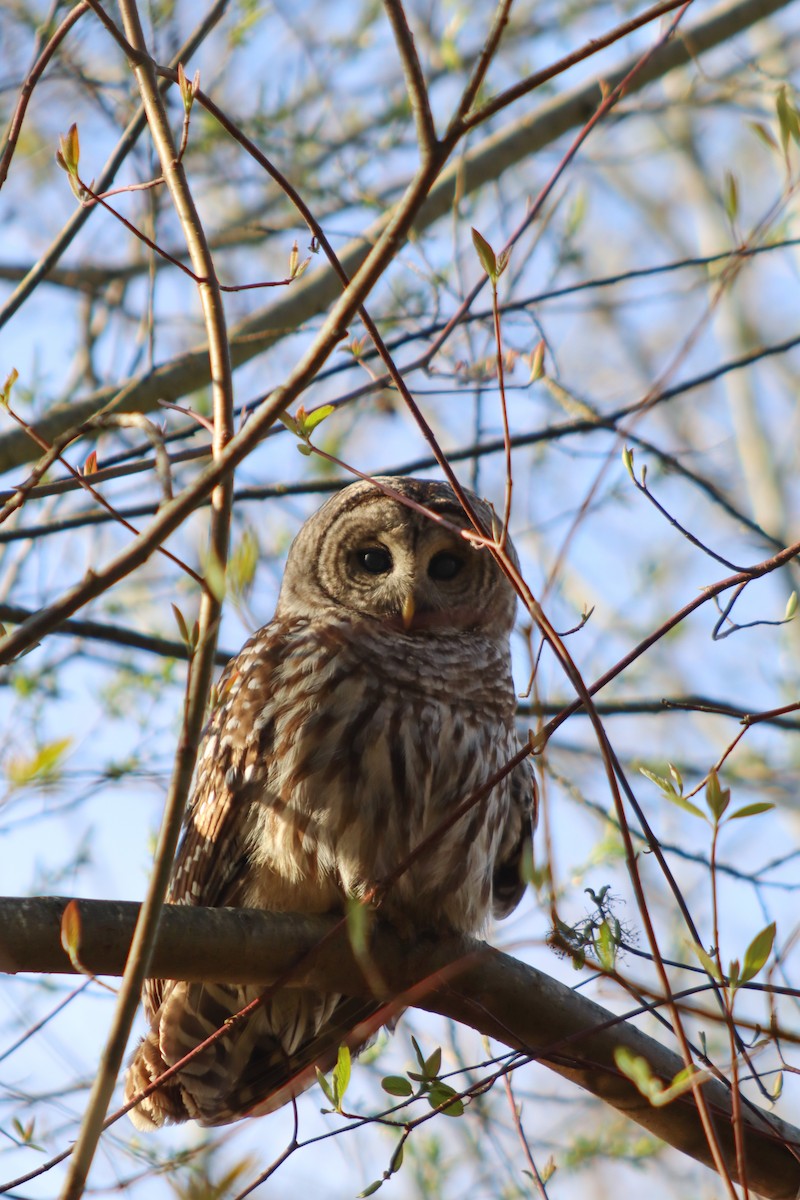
(791,607)
(433,1064)
(576,215)
(5,392)
(418,1052)
(758,952)
(706,961)
(717,798)
(486,255)
(605,946)
(439,1094)
(761,131)
(687,805)
(731,196)
(751,810)
(627,460)
(341,1074)
(313,419)
(661,783)
(69,152)
(397,1085)
(326,1087)
(787,117)
(502,261)
(537,362)
(289,422)
(371,1190)
(638,1070)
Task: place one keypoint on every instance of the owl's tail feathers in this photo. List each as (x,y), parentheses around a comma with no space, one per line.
(257,1066)
(166,1104)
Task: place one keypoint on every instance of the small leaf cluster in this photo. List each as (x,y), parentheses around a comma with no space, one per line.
(25,1134)
(788,115)
(190,637)
(303,424)
(717,798)
(628,463)
(188,88)
(493,264)
(426,1082)
(68,157)
(297,268)
(411,1086)
(43,766)
(598,935)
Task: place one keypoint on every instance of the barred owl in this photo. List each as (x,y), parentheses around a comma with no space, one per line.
(376,700)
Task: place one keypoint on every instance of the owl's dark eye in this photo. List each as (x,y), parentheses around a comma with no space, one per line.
(445,566)
(375,560)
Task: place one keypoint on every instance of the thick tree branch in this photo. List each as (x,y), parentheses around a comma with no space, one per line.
(458,977)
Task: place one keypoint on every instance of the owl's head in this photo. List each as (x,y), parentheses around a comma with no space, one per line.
(367,554)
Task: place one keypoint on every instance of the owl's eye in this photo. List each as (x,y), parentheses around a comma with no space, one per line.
(445,566)
(375,560)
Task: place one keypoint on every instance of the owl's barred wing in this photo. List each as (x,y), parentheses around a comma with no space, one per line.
(508,882)
(212,855)
(212,866)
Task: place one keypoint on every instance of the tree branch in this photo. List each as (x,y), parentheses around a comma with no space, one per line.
(458,977)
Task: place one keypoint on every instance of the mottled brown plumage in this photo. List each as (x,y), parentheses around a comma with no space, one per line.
(347,730)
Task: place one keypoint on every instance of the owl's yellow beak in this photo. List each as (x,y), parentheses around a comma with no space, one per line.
(407,611)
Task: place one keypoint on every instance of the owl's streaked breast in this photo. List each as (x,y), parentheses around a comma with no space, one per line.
(374,741)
